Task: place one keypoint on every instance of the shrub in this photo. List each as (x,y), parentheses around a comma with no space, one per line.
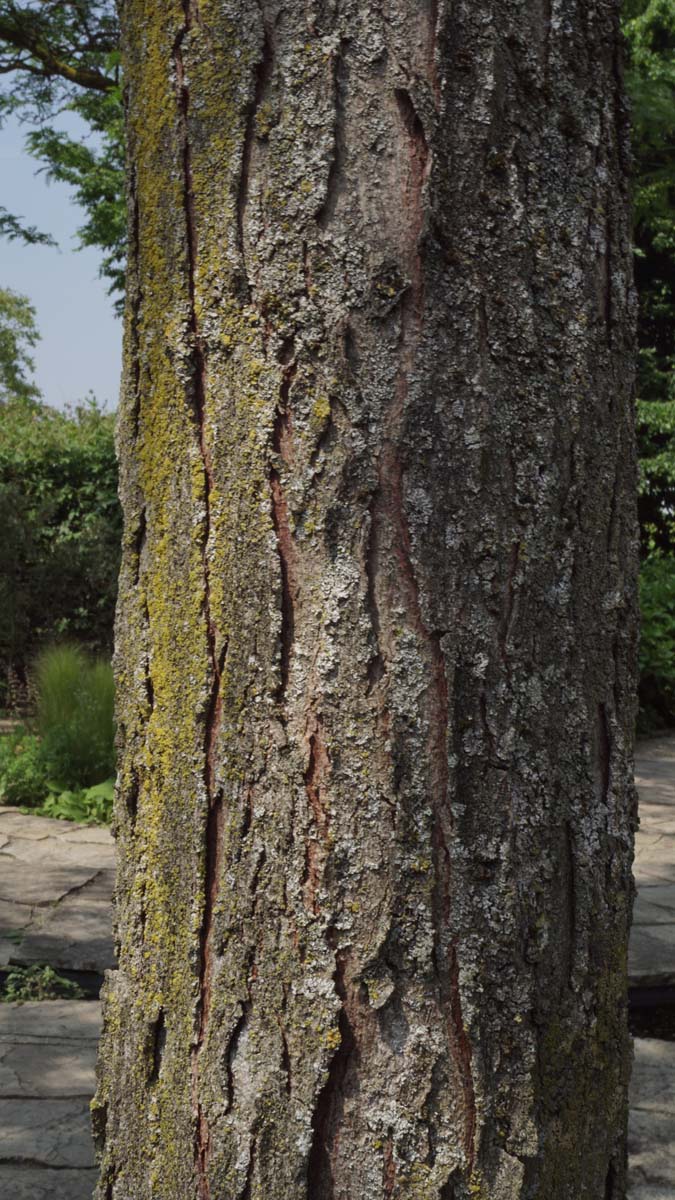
(61,522)
(75,717)
(657,643)
(23,777)
(92,806)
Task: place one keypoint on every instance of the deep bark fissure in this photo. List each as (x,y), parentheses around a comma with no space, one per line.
(263,75)
(336,169)
(286,552)
(232,1047)
(328,1107)
(317,769)
(214,796)
(158,1043)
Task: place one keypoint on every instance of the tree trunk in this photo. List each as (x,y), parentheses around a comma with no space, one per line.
(376,634)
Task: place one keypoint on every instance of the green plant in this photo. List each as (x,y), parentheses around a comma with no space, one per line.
(23,777)
(91,806)
(61,529)
(40,982)
(75,717)
(657,643)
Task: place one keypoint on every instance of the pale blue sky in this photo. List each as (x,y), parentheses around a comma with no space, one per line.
(81,337)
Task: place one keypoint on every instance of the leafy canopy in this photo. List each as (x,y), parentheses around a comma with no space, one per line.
(649,26)
(18,335)
(61,56)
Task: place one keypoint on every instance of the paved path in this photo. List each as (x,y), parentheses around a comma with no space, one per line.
(56,881)
(47,1056)
(652,947)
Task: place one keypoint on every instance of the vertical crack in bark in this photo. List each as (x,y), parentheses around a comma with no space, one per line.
(376,664)
(135,297)
(158,1044)
(315,775)
(603,753)
(570,885)
(231,1051)
(463,1055)
(263,76)
(509,603)
(335,171)
(388,1167)
(214,822)
(328,1109)
(285,1052)
(431,51)
(281,445)
(245,1193)
(389,511)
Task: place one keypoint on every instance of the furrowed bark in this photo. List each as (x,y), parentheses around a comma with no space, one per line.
(376,633)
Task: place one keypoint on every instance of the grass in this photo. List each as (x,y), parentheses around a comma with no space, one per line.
(75,717)
(64,765)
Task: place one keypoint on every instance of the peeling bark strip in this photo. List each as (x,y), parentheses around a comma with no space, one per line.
(376,635)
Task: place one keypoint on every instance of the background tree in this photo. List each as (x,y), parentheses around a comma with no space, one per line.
(63,57)
(376,636)
(18,335)
(649,26)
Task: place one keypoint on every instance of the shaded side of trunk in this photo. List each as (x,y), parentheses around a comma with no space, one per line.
(376,633)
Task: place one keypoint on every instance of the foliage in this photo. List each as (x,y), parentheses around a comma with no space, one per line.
(23,776)
(657,644)
(89,806)
(75,717)
(18,334)
(649,26)
(61,522)
(14,230)
(37,983)
(64,58)
(24,783)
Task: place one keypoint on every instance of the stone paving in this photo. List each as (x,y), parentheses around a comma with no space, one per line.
(56,880)
(47,1057)
(652,947)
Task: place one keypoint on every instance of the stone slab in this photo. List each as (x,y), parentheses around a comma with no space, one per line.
(15,823)
(42,887)
(651,959)
(651,956)
(94,835)
(648,910)
(14,917)
(58,852)
(651,1137)
(47,1132)
(653,1079)
(31,1070)
(51,1021)
(651,1155)
(29,1183)
(75,934)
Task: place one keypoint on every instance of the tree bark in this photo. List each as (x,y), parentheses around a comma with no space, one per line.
(377,622)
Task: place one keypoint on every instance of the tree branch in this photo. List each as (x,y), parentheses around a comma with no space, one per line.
(23,38)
